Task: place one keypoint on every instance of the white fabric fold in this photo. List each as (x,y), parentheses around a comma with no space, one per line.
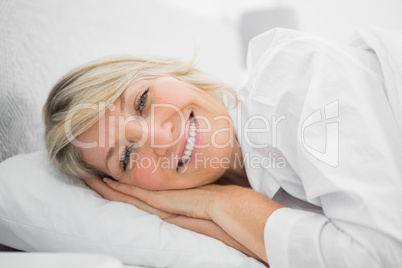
(340,140)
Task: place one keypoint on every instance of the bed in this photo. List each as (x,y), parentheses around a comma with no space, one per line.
(42,210)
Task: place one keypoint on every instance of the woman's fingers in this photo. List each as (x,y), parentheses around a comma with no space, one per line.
(126,188)
(147,196)
(189,202)
(114,195)
(102,189)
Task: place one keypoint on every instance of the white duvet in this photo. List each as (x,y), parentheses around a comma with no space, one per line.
(340,139)
(387,46)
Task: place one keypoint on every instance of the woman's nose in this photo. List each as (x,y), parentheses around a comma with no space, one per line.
(161,137)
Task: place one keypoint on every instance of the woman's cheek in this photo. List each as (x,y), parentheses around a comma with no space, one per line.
(147,178)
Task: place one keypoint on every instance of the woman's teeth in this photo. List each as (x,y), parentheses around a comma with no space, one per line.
(190,143)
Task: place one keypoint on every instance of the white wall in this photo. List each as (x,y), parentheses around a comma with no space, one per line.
(335,20)
(338,20)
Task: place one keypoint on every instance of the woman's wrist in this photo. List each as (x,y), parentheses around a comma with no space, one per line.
(219,197)
(242,213)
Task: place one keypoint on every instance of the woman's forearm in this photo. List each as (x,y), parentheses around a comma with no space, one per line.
(209,228)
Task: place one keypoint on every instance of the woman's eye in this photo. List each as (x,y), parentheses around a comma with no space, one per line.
(140,103)
(125,157)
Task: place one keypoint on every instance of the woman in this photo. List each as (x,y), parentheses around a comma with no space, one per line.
(160,136)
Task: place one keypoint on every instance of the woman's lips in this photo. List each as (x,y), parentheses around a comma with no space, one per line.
(185,162)
(183,142)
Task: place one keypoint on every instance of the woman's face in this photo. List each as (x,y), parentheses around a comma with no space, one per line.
(161,134)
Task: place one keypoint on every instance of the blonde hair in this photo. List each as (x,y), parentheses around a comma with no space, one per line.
(104,81)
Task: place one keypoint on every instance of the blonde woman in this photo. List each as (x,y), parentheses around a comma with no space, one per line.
(159,134)
(104,104)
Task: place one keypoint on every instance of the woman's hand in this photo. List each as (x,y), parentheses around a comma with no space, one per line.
(108,193)
(188,202)
(240,212)
(116,191)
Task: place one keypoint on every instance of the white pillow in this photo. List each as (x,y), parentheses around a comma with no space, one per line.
(42,209)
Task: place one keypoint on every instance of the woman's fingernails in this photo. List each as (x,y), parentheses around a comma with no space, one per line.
(106,179)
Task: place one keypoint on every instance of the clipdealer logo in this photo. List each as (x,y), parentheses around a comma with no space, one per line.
(330,153)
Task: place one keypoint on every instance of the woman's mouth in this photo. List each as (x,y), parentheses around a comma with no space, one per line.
(190,143)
